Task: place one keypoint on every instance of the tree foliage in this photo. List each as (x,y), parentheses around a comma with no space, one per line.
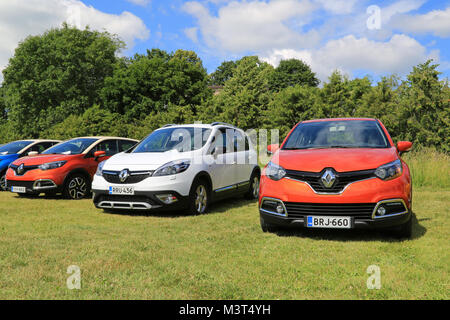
(57,74)
(69,82)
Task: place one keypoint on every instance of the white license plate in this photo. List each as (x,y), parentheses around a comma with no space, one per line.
(329,222)
(19,189)
(121,190)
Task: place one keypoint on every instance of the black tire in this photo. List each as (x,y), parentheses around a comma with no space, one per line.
(77,187)
(199,197)
(253,189)
(265,227)
(3,181)
(405,230)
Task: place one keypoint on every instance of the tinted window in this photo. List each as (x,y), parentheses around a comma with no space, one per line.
(109,146)
(74,146)
(337,134)
(40,147)
(125,145)
(179,138)
(14,147)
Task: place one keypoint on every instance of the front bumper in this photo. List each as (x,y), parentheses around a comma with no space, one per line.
(35,187)
(361,219)
(141,200)
(359,200)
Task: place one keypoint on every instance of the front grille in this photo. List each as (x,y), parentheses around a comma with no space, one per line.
(342,179)
(25,169)
(135,177)
(17,183)
(356,210)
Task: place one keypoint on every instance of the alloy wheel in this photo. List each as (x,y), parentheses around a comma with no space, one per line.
(77,188)
(255,187)
(201,199)
(3,182)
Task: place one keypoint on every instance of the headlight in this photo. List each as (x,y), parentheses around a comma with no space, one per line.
(275,172)
(52,165)
(390,171)
(172,168)
(99,171)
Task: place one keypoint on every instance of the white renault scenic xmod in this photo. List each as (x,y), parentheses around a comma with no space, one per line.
(179,167)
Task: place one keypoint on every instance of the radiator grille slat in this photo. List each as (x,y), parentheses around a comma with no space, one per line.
(356,210)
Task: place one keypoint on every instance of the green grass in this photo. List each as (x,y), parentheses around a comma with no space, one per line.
(221,255)
(429,168)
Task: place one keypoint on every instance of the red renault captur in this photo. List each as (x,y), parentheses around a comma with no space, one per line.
(337,173)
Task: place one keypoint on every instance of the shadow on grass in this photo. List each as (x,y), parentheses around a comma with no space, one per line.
(355,234)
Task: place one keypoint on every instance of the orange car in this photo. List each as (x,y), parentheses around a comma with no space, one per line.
(337,173)
(66,168)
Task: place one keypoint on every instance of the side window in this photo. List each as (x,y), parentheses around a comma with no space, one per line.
(225,139)
(124,145)
(39,147)
(109,146)
(240,144)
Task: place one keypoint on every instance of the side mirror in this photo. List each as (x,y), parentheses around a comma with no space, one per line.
(272,148)
(99,154)
(404,146)
(33,153)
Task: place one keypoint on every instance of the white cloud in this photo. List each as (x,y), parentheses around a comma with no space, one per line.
(338,6)
(349,54)
(140,2)
(192,33)
(436,22)
(254,25)
(19,19)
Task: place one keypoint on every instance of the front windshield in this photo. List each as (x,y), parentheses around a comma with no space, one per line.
(14,147)
(337,134)
(181,139)
(75,146)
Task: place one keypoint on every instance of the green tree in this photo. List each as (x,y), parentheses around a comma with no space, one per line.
(290,73)
(424,115)
(149,83)
(292,105)
(245,96)
(223,73)
(54,75)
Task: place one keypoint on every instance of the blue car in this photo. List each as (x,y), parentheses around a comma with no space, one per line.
(17,149)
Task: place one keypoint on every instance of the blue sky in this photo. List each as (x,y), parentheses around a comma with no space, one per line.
(327,34)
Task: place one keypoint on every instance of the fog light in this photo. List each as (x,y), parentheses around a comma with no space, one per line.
(280,209)
(381,211)
(167,198)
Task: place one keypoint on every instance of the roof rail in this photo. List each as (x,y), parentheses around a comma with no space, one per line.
(169,125)
(222,123)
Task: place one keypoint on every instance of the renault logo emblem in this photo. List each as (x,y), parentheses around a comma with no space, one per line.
(328,178)
(20,169)
(123,175)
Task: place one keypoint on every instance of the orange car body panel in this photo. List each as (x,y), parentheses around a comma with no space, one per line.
(58,175)
(371,190)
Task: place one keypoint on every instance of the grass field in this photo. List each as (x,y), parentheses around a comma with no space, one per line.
(221,255)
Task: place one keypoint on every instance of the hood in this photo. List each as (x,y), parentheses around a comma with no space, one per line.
(44,158)
(9,156)
(143,161)
(341,160)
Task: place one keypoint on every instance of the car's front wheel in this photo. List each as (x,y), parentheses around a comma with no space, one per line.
(265,227)
(253,191)
(405,230)
(199,197)
(77,187)
(3,181)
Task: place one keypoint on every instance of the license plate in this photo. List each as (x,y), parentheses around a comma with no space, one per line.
(121,190)
(19,189)
(329,222)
